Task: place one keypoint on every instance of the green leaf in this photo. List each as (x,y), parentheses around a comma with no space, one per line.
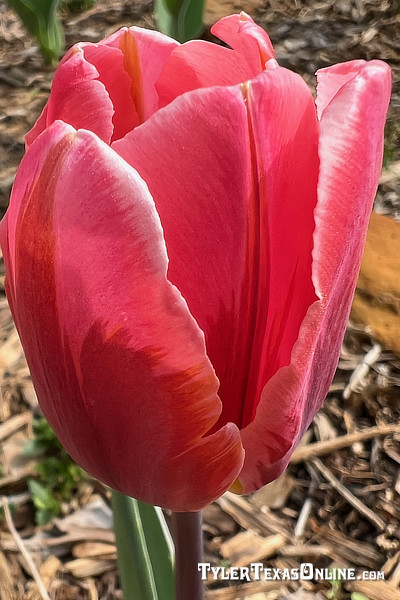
(180,19)
(145,549)
(78,5)
(358,596)
(58,477)
(160,548)
(46,505)
(41,20)
(134,563)
(33,448)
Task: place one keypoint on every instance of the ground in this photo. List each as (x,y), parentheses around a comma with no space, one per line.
(339,503)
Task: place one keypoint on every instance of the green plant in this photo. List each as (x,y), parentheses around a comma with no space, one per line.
(180,19)
(78,5)
(57,475)
(335,593)
(392,143)
(41,20)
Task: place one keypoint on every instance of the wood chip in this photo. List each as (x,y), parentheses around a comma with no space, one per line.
(348,550)
(368,513)
(391,173)
(306,550)
(275,494)
(249,547)
(241,592)
(88,567)
(375,590)
(6,580)
(15,423)
(244,513)
(94,549)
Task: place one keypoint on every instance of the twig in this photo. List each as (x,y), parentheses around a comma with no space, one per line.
(301,550)
(15,423)
(243,512)
(303,518)
(358,378)
(355,502)
(309,451)
(245,590)
(17,476)
(28,559)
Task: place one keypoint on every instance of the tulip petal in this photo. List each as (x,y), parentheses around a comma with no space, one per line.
(109,63)
(195,157)
(331,79)
(237,229)
(284,132)
(145,54)
(351,152)
(78,98)
(247,38)
(118,362)
(199,64)
(351,155)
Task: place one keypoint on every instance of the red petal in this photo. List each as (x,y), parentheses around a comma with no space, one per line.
(78,98)
(247,38)
(199,64)
(237,229)
(332,79)
(109,63)
(145,54)
(350,149)
(284,132)
(195,157)
(118,362)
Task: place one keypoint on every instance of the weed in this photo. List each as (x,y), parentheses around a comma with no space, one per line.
(58,476)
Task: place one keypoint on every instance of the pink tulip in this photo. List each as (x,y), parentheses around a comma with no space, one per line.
(181,268)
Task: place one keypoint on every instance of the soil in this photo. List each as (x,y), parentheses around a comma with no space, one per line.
(338,505)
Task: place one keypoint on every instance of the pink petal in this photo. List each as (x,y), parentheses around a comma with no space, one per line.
(218,191)
(145,54)
(247,38)
(38,127)
(109,63)
(284,132)
(333,79)
(350,149)
(26,177)
(351,152)
(195,157)
(78,98)
(199,64)
(118,362)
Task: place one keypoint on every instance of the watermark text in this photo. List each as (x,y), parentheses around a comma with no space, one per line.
(306,572)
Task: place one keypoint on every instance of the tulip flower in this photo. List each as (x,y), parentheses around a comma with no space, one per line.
(182,247)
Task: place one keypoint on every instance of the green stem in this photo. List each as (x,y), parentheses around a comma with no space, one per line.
(188,538)
(133,558)
(180,19)
(160,548)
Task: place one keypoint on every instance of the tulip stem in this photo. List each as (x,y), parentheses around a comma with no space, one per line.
(188,537)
